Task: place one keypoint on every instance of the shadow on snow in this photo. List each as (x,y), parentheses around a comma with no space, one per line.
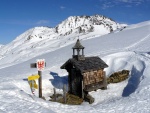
(58,82)
(133,82)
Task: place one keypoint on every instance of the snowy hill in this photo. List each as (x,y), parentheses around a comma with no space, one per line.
(1,45)
(39,40)
(124,49)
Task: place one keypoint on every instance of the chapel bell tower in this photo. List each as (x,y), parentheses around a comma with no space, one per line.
(76,51)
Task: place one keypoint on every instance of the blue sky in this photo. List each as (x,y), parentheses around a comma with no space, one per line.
(17,16)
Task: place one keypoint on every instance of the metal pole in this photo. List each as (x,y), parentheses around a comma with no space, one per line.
(40,83)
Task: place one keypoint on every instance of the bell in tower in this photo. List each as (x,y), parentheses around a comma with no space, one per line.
(78,48)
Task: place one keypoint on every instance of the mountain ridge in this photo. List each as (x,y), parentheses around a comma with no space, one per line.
(34,40)
(77,24)
(86,23)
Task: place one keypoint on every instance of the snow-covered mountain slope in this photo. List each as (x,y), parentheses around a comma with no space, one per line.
(39,40)
(128,49)
(1,45)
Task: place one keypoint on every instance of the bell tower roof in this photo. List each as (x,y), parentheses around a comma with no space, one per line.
(78,45)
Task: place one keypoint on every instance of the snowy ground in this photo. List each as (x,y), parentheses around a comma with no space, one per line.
(128,49)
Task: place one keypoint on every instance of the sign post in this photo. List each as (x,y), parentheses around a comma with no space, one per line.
(40,65)
(40,83)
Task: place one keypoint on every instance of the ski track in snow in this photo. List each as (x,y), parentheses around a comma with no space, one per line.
(138,43)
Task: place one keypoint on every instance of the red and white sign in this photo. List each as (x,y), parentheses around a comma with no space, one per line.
(40,64)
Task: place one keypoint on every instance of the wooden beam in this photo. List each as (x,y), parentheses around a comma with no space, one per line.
(33,65)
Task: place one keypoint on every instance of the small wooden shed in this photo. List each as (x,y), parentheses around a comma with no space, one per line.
(85,74)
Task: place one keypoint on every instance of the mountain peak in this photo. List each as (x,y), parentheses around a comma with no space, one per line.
(84,24)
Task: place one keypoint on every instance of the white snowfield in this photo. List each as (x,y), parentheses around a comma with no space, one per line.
(125,49)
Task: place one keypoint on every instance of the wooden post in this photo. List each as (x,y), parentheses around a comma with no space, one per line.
(40,83)
(82,90)
(105,81)
(54,94)
(64,91)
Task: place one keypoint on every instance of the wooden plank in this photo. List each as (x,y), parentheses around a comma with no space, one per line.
(33,65)
(85,78)
(92,77)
